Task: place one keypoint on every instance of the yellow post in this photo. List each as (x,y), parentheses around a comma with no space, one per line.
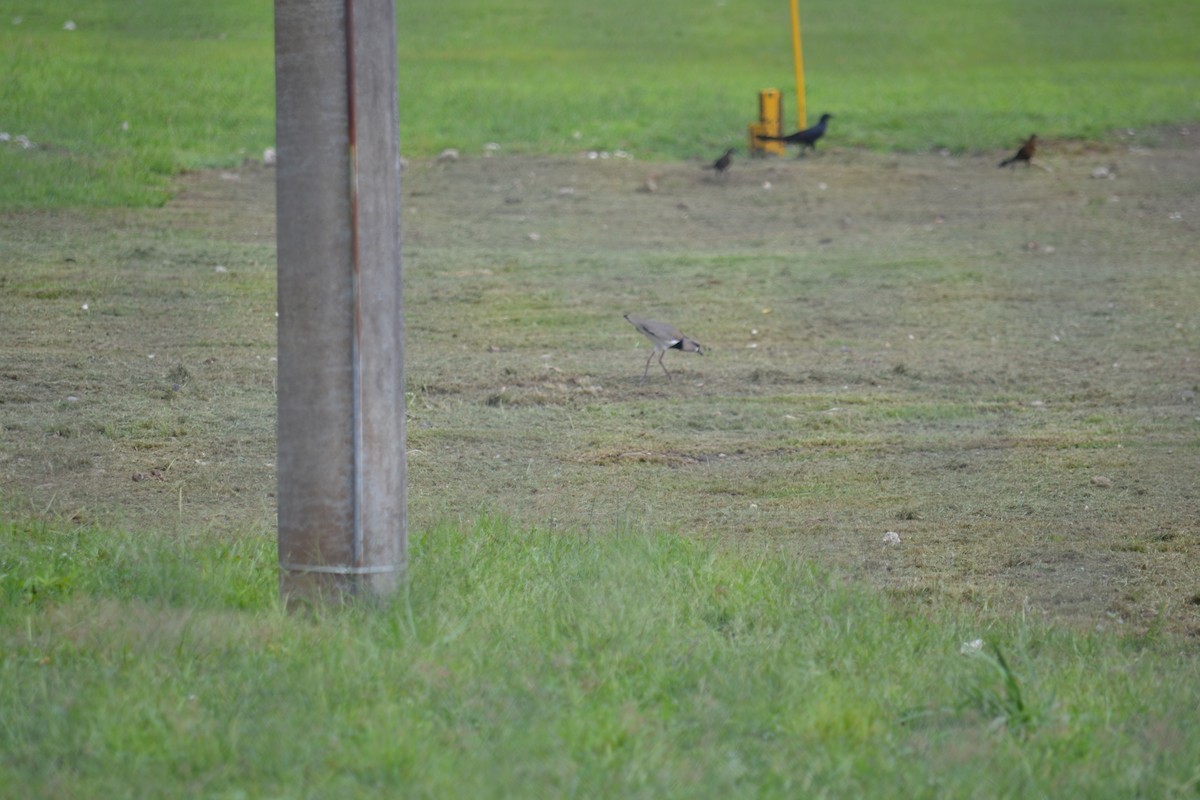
(770,123)
(798,57)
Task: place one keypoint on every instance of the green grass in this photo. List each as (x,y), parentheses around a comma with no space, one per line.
(639,612)
(134,94)
(527,663)
(668,80)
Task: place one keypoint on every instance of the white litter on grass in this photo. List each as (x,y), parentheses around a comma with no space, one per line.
(84,306)
(269,157)
(891,537)
(220,268)
(69,25)
(972,647)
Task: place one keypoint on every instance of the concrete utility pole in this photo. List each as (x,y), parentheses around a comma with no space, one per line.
(341,457)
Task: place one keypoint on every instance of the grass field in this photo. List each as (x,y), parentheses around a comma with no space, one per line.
(138,91)
(676,589)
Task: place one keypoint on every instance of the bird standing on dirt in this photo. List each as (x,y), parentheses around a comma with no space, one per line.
(723,163)
(665,337)
(1024,154)
(805,138)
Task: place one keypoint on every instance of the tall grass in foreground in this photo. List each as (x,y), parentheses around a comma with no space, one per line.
(134,92)
(532,664)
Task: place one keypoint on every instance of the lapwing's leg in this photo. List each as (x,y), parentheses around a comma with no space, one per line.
(662,353)
(646,371)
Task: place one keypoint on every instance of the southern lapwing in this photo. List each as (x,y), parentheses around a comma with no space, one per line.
(665,337)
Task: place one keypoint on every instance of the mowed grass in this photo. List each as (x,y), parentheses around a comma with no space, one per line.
(136,92)
(676,589)
(531,663)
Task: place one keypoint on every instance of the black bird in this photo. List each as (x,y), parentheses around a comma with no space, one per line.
(722,163)
(805,138)
(1024,154)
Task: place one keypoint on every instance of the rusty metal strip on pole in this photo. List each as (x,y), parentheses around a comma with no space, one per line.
(356,261)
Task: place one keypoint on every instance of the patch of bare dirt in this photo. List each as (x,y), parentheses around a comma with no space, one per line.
(922,345)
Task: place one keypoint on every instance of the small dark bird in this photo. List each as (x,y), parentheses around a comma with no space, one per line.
(805,138)
(723,163)
(665,337)
(1024,154)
